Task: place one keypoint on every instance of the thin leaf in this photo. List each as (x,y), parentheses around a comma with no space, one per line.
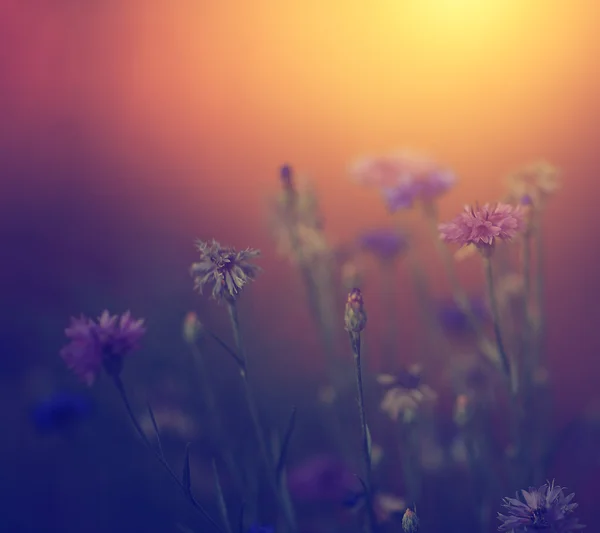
(286,443)
(186,478)
(369,442)
(239,361)
(156,432)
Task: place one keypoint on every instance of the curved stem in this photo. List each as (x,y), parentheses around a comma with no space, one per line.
(160,456)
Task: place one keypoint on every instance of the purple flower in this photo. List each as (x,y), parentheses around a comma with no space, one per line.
(454,320)
(384,243)
(104,343)
(546,508)
(481,226)
(424,187)
(226,269)
(404,178)
(322,478)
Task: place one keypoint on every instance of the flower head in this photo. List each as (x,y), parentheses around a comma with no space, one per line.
(355,316)
(322,478)
(223,268)
(410,521)
(404,177)
(535,182)
(546,508)
(102,343)
(384,243)
(405,394)
(482,226)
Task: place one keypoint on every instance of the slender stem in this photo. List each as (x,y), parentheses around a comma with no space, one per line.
(496,320)
(160,456)
(221,499)
(287,509)
(371,518)
(460,297)
(214,418)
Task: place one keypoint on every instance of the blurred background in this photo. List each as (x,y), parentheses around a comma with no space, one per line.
(128,129)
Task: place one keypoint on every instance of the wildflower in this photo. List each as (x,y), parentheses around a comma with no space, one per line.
(409,378)
(404,178)
(407,401)
(193,329)
(482,226)
(535,182)
(545,508)
(286,176)
(462,410)
(60,411)
(454,320)
(355,316)
(101,344)
(226,269)
(410,521)
(322,478)
(384,243)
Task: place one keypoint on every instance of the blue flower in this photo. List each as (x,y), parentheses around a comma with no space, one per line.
(384,243)
(546,508)
(60,411)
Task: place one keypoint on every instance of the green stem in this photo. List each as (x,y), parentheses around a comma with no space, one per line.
(158,454)
(460,297)
(496,320)
(355,340)
(284,504)
(214,418)
(221,499)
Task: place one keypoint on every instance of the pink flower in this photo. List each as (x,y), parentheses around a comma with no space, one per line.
(481,226)
(101,344)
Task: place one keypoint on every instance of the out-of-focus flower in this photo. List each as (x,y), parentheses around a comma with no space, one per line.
(61,411)
(101,344)
(459,451)
(482,226)
(535,181)
(408,402)
(355,316)
(404,178)
(322,478)
(193,329)
(462,409)
(546,508)
(170,420)
(376,454)
(455,321)
(387,505)
(384,243)
(223,268)
(410,521)
(409,378)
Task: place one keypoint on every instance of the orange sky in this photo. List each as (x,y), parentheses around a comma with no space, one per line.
(218,94)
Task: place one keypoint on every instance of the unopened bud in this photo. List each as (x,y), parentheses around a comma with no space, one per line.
(193,330)
(461,410)
(410,521)
(355,316)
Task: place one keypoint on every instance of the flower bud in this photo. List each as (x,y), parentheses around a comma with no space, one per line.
(193,330)
(355,316)
(410,521)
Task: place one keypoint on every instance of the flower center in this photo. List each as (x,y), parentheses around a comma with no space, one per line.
(538,519)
